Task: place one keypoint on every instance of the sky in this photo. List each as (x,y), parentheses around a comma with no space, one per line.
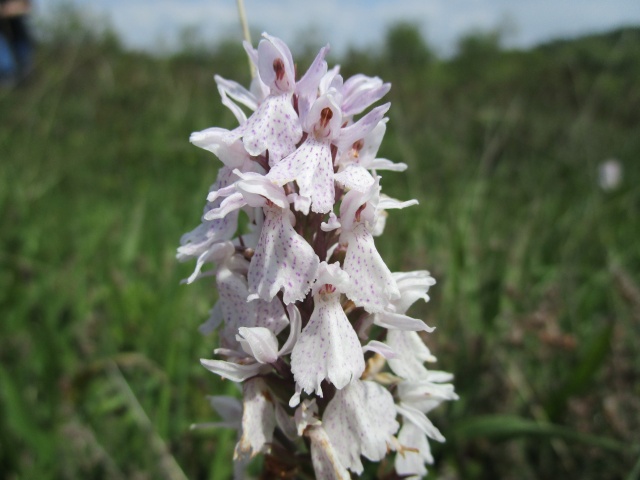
(155,25)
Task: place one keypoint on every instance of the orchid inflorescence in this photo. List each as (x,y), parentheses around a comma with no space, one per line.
(303,290)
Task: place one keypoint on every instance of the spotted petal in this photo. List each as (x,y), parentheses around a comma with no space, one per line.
(200,242)
(237,312)
(372,285)
(328,348)
(274,126)
(283,260)
(360,420)
(355,177)
(311,167)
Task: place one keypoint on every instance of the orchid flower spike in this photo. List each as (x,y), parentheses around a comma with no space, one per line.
(310,321)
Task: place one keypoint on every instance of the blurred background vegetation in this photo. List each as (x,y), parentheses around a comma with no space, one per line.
(538,297)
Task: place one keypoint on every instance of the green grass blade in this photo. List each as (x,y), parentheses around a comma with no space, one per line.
(503,427)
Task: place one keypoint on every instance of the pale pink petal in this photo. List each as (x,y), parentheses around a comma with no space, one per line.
(332,224)
(416,392)
(241,117)
(361,91)
(355,177)
(328,348)
(372,286)
(352,203)
(237,92)
(370,145)
(270,315)
(203,237)
(259,342)
(256,189)
(363,152)
(232,298)
(398,321)
(380,221)
(412,353)
(216,196)
(295,328)
(307,86)
(224,144)
(252,53)
(351,134)
(413,286)
(331,79)
(311,167)
(271,52)
(237,312)
(198,242)
(420,420)
(331,274)
(258,419)
(388,203)
(235,372)
(300,203)
(283,260)
(385,164)
(233,202)
(231,354)
(216,254)
(380,348)
(360,420)
(439,376)
(313,122)
(258,87)
(274,126)
(410,462)
(326,464)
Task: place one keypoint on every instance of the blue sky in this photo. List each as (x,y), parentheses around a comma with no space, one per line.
(155,24)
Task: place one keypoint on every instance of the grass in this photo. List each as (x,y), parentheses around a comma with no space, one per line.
(537,303)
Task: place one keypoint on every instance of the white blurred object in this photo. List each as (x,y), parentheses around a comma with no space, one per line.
(610,174)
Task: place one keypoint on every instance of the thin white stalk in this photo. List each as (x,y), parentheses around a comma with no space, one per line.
(245,32)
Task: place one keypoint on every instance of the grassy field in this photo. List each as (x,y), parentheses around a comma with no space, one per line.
(537,303)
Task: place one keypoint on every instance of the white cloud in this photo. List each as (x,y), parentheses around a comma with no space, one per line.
(153,23)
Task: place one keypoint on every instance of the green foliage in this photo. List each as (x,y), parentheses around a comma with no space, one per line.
(67,25)
(405,48)
(537,303)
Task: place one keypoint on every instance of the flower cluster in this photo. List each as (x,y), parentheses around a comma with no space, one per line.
(309,316)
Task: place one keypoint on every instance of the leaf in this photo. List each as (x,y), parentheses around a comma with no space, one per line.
(593,357)
(510,426)
(19,419)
